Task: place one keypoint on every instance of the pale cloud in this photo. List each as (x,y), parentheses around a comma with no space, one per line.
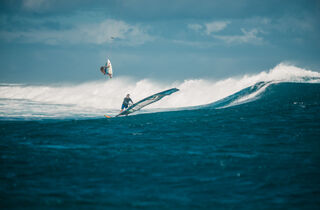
(195,27)
(209,28)
(109,30)
(246,37)
(106,31)
(215,26)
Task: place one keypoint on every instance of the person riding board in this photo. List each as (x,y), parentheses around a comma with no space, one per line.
(126,102)
(107,69)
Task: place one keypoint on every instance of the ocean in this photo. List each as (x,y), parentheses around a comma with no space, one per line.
(247,142)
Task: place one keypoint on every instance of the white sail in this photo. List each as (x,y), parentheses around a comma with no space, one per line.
(109,67)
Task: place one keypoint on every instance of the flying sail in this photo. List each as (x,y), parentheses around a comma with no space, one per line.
(146,101)
(109,67)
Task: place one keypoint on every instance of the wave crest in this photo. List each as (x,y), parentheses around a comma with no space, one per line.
(99,96)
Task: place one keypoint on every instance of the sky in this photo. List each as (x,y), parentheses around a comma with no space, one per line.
(53,41)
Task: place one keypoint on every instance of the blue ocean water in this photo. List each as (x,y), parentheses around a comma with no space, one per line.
(262,154)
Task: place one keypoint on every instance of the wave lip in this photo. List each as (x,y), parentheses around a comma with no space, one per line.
(246,95)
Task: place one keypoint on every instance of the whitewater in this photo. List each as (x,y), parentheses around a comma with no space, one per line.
(95,98)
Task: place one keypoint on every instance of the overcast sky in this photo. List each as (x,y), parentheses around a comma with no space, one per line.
(49,41)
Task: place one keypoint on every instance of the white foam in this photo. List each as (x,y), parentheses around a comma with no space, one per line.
(96,96)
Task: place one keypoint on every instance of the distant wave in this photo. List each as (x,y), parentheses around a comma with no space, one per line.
(97,97)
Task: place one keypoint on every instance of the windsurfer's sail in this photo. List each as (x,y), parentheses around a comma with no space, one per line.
(109,67)
(146,101)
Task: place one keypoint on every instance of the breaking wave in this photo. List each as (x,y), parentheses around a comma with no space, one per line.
(92,99)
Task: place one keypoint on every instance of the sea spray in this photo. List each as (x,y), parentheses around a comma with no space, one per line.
(96,97)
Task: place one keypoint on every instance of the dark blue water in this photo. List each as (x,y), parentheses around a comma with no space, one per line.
(263,154)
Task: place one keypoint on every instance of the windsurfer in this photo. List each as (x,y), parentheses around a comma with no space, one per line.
(107,69)
(126,102)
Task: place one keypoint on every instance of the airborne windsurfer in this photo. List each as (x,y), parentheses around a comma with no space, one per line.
(126,102)
(107,69)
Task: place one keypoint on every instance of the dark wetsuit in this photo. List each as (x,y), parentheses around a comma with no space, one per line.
(126,102)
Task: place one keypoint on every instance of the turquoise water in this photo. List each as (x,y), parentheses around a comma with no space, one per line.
(229,154)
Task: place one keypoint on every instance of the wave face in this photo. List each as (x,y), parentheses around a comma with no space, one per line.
(93,99)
